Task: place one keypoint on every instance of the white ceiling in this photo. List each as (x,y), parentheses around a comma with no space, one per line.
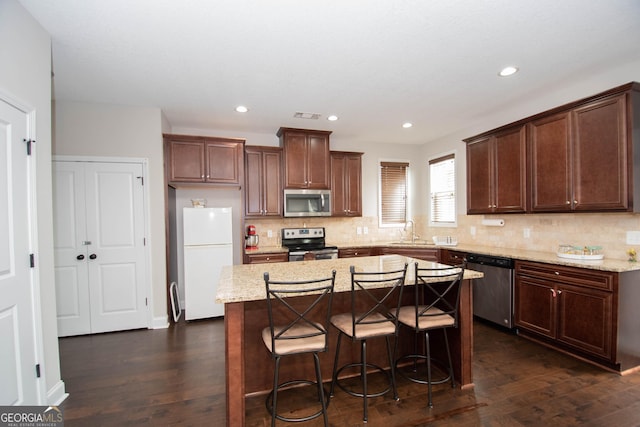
(374,63)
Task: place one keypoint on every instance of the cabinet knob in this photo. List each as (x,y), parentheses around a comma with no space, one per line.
(568,202)
(559,292)
(575,202)
(557,273)
(553,291)
(201,176)
(268,258)
(80,257)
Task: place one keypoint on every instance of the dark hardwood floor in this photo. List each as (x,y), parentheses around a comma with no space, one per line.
(175,377)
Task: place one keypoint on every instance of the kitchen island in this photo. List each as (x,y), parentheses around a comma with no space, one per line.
(249,368)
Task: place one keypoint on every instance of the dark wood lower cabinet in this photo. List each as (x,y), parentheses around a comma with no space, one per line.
(265,258)
(427,254)
(572,308)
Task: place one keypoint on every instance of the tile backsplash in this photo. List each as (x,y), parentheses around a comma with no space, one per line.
(545,231)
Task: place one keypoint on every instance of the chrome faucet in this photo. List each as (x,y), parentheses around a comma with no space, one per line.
(413,231)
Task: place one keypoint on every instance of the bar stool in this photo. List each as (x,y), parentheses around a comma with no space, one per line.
(436,306)
(297,327)
(375,300)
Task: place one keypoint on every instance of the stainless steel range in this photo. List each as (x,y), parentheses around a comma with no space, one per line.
(307,244)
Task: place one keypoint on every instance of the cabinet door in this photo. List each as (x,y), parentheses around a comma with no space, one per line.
(354,185)
(318,161)
(600,156)
(550,164)
(272,185)
(479,177)
(295,150)
(535,307)
(586,319)
(510,171)
(223,162)
(339,191)
(253,179)
(186,161)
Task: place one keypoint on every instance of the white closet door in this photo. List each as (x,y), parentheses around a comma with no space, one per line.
(100,255)
(115,218)
(70,236)
(17,332)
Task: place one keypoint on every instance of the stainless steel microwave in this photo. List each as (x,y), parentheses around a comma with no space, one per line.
(307,202)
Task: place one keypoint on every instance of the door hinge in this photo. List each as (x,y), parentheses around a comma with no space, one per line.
(141,178)
(146,301)
(38,370)
(32,260)
(144,241)
(29,142)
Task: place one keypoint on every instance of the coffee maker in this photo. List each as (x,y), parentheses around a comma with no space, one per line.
(251,238)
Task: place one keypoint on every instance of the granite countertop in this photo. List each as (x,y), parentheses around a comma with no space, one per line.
(246,282)
(612,265)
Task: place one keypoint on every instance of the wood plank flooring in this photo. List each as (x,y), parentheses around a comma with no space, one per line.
(175,377)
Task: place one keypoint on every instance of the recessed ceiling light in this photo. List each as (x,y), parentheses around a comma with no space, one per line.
(407,125)
(241,109)
(332,118)
(507,71)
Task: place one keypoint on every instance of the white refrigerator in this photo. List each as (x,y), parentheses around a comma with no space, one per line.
(208,246)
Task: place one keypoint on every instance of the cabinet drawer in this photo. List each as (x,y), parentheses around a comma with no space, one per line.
(570,275)
(354,252)
(266,258)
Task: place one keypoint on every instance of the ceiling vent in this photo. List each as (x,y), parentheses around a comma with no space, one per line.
(311,116)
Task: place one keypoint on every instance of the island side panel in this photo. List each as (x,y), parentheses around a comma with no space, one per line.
(465,341)
(234,359)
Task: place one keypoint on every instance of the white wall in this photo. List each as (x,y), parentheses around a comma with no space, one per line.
(25,75)
(83,129)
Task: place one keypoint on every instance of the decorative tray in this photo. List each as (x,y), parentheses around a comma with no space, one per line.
(580,256)
(580,252)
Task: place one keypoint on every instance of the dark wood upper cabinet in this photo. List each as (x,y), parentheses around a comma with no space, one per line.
(550,163)
(306,158)
(601,157)
(346,183)
(263,181)
(209,160)
(579,158)
(496,172)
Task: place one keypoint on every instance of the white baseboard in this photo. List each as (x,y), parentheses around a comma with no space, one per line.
(161,322)
(56,394)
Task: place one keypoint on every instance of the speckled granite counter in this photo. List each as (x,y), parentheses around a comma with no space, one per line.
(246,283)
(613,265)
(249,366)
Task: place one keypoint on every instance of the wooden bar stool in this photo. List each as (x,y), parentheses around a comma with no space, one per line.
(375,300)
(435,307)
(298,323)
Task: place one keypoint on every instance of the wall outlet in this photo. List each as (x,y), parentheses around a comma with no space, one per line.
(472,230)
(526,233)
(633,237)
(365,230)
(269,233)
(359,230)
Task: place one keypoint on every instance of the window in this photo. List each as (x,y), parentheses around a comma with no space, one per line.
(442,179)
(393,193)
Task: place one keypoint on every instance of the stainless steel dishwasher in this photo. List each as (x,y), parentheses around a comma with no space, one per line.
(493,294)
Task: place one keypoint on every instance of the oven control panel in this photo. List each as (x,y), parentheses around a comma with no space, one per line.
(298,233)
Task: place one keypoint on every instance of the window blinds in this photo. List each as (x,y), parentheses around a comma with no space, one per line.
(442,174)
(393,190)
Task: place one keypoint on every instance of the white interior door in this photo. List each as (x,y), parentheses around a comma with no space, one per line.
(109,239)
(70,235)
(17,326)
